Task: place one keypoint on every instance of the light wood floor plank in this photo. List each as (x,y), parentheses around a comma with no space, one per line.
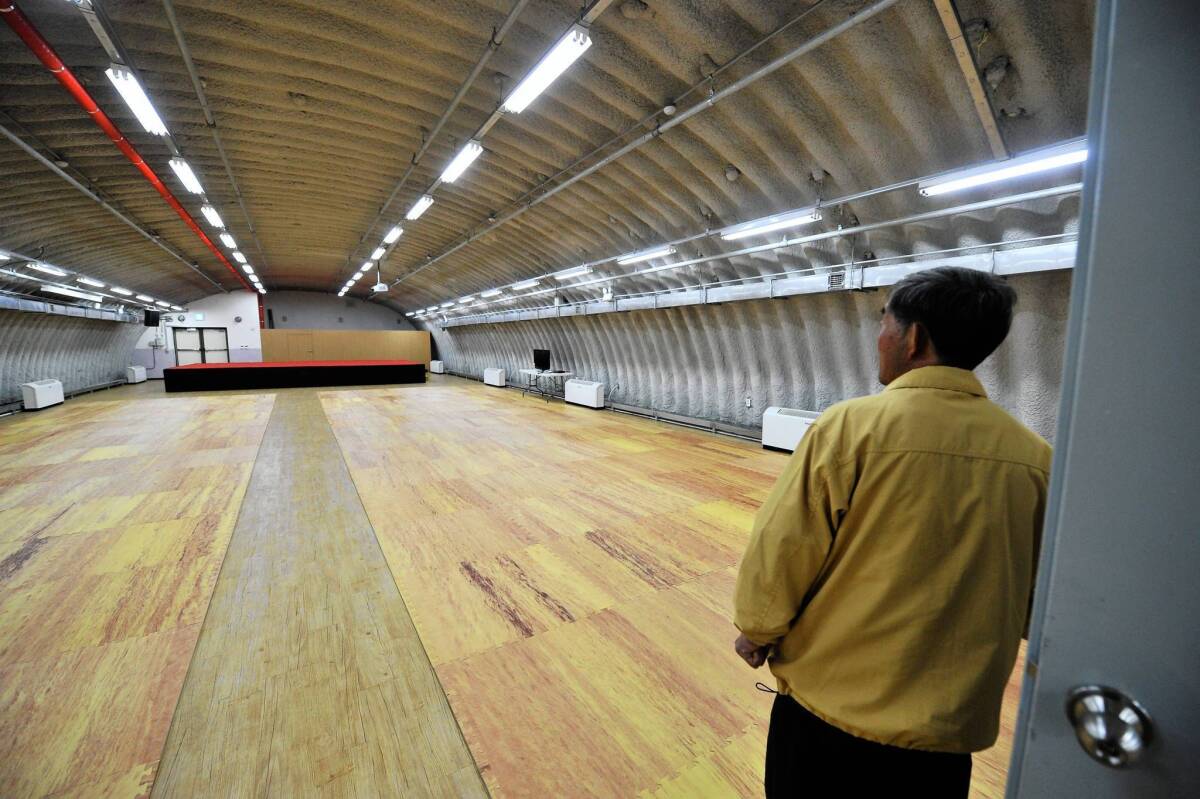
(570,573)
(110,549)
(309,678)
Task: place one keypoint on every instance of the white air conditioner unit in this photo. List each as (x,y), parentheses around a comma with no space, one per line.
(135,374)
(437,367)
(784,427)
(41,394)
(584,392)
(494,377)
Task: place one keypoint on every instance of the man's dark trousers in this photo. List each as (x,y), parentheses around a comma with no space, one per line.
(807,757)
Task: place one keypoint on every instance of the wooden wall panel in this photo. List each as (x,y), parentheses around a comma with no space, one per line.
(345,345)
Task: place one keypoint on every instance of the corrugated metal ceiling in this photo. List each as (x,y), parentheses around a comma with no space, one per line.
(321,105)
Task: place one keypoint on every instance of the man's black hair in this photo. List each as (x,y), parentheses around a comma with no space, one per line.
(967,313)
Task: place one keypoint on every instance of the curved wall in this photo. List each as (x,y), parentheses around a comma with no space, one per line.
(805,352)
(80,352)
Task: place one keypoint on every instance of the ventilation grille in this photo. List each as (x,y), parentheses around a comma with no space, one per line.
(837,280)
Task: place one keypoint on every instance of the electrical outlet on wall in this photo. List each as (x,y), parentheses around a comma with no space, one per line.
(748,403)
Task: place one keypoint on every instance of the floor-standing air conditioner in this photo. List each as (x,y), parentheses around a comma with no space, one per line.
(784,427)
(437,367)
(41,394)
(494,377)
(584,392)
(135,374)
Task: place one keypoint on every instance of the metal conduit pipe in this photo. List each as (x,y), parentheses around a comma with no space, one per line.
(169,8)
(811,44)
(493,45)
(924,216)
(46,162)
(587,16)
(41,48)
(707,80)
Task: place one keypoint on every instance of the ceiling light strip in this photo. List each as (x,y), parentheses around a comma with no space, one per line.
(41,48)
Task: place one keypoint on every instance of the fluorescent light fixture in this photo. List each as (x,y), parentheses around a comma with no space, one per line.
(47,268)
(465,157)
(212,216)
(393,234)
(431,309)
(228,241)
(176,308)
(262,290)
(87,281)
(465,300)
(237,256)
(411,313)
(144,298)
(379,253)
(4,256)
(490,293)
(419,207)
(528,284)
(645,255)
(121,291)
(367,266)
(248,269)
(447,305)
(1029,164)
(578,271)
(135,97)
(554,63)
(768,224)
(66,292)
(186,176)
(163,304)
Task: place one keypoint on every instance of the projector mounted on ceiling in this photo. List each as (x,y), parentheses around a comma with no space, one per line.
(379,288)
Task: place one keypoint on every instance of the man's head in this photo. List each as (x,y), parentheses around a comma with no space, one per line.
(946,316)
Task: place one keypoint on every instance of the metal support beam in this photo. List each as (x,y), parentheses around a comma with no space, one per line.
(169,8)
(46,162)
(497,39)
(970,72)
(783,60)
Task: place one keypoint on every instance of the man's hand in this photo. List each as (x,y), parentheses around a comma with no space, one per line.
(752,653)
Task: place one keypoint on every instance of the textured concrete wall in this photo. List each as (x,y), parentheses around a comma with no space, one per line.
(79,352)
(802,352)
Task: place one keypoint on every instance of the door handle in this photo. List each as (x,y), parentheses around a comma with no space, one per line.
(1111,727)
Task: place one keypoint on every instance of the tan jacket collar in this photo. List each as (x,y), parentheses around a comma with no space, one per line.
(946,378)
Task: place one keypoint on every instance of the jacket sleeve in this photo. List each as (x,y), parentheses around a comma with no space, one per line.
(792,536)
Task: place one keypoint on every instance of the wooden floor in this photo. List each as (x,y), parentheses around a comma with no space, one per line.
(568,571)
(584,562)
(114,518)
(309,679)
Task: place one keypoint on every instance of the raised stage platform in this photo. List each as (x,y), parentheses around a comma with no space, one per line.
(290,374)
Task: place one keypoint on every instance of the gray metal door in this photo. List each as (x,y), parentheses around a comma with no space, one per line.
(1117,612)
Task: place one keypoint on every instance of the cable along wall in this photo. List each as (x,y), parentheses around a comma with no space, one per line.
(806,351)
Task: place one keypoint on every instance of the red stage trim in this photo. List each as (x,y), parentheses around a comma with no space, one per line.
(268,364)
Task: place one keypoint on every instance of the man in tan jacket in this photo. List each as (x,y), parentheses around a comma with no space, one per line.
(888,578)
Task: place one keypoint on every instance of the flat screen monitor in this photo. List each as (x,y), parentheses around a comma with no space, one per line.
(541,360)
(151,318)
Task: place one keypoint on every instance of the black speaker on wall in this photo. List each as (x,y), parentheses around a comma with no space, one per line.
(151,318)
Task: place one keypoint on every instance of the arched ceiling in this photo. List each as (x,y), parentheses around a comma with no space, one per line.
(321,105)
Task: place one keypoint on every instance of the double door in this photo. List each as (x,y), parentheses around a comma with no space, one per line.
(201,345)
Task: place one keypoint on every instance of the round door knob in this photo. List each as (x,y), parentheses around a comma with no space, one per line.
(1112,728)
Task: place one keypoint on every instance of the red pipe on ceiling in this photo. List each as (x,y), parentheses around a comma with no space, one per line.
(38,45)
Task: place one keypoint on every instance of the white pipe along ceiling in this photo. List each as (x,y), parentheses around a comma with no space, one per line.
(314,129)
